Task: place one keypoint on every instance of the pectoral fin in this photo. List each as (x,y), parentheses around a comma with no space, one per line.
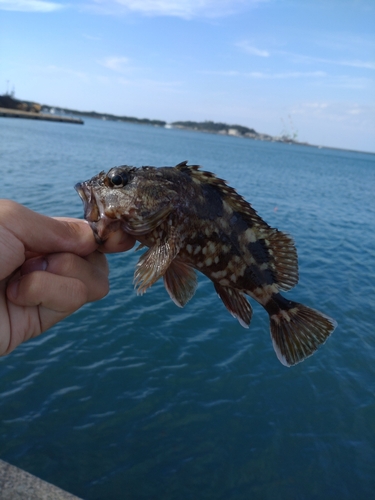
(236,303)
(154,263)
(143,225)
(180,282)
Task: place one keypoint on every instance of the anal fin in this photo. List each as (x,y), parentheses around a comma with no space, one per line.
(236,303)
(180,282)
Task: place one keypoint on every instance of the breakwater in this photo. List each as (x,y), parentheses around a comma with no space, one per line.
(16,113)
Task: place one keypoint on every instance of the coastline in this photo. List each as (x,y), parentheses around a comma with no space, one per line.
(17,113)
(231,130)
(14,108)
(206,126)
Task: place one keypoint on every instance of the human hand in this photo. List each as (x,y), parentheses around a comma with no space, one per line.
(49,268)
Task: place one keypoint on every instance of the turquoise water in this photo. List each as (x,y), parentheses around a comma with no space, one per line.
(135,398)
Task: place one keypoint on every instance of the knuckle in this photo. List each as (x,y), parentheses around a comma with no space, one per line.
(98,260)
(62,263)
(100,289)
(78,294)
(103,290)
(31,285)
(9,207)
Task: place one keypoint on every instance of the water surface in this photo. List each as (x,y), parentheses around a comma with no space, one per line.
(135,398)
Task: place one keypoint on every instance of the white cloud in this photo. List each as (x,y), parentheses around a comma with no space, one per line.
(347,42)
(349,82)
(290,74)
(152,84)
(337,111)
(356,64)
(116,63)
(250,49)
(186,9)
(268,76)
(317,78)
(339,62)
(221,73)
(29,5)
(315,105)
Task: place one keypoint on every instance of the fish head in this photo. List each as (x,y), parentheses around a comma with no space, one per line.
(135,200)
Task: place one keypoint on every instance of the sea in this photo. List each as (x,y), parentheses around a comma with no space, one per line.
(132,397)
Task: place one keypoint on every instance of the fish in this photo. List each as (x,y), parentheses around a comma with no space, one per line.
(191,220)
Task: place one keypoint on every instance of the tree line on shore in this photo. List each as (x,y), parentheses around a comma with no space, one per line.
(10,102)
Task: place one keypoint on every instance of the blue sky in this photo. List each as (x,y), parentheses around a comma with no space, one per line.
(304,67)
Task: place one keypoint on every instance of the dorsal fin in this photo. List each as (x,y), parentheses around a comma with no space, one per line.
(229,194)
(282,253)
(284,260)
(184,167)
(182,164)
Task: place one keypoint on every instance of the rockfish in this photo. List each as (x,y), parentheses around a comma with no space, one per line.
(190,219)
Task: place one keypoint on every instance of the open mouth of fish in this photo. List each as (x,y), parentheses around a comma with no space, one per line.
(96,214)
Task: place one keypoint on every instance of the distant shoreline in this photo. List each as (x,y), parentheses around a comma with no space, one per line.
(28,109)
(206,127)
(55,110)
(17,113)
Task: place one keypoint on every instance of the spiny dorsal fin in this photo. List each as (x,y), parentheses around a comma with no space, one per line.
(182,164)
(280,247)
(229,194)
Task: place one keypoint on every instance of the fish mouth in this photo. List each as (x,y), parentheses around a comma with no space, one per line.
(81,189)
(90,205)
(101,225)
(90,208)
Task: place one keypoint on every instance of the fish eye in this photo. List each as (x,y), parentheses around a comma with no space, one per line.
(118,180)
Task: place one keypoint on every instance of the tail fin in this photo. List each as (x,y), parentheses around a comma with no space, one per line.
(297,331)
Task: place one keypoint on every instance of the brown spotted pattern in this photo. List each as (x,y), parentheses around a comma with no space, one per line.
(190,219)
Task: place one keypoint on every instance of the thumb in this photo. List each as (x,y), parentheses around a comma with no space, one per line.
(41,234)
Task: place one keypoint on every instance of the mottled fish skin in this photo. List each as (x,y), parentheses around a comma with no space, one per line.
(190,219)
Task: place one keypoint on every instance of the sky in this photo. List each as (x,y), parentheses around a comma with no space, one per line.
(305,68)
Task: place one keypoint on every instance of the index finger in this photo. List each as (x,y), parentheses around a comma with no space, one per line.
(118,241)
(41,234)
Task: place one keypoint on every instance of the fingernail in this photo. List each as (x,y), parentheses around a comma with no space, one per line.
(31,265)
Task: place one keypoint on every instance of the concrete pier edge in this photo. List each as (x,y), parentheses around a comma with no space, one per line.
(17,484)
(15,113)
